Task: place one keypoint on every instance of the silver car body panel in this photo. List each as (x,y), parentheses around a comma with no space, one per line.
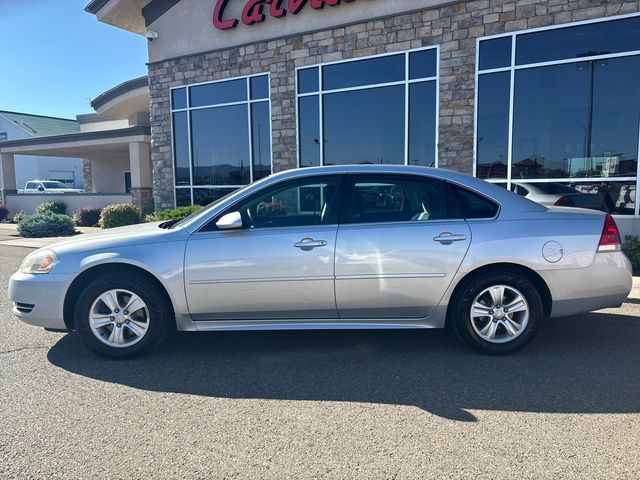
(385,276)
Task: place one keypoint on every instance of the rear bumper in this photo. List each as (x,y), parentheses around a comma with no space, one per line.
(38,299)
(606,283)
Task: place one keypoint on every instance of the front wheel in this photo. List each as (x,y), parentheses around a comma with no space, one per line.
(497,314)
(122,315)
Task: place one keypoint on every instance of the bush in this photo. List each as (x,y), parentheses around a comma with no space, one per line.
(631,247)
(46,225)
(119,215)
(178,213)
(18,217)
(52,207)
(88,217)
(4,212)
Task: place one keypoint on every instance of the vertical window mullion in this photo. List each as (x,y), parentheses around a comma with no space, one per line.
(321,113)
(188,93)
(406,108)
(436,160)
(250,130)
(512,72)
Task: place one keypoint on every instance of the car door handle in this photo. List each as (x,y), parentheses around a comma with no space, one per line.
(447,238)
(309,244)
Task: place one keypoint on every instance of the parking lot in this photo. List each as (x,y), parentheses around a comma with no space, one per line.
(389,404)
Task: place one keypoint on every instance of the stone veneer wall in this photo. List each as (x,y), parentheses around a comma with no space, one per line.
(454,27)
(87,183)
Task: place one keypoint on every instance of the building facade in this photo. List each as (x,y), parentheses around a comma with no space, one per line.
(19,126)
(110,148)
(524,93)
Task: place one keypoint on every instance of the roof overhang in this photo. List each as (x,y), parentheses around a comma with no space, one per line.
(125,14)
(82,145)
(125,100)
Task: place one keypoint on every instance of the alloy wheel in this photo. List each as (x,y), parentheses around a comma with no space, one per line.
(119,318)
(499,314)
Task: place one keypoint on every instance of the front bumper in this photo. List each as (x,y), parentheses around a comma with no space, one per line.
(39,299)
(606,283)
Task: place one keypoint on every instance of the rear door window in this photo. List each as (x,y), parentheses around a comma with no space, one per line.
(401,198)
(475,205)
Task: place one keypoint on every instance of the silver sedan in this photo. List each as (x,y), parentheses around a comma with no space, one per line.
(333,248)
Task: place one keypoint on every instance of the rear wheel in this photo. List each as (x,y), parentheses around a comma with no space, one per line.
(496,314)
(122,315)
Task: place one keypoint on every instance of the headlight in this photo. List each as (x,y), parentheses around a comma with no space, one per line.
(39,262)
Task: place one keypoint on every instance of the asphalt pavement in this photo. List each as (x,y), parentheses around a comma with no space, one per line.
(322,405)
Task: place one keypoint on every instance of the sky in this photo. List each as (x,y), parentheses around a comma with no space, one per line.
(55,57)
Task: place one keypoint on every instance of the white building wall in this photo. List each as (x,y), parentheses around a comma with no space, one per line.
(30,167)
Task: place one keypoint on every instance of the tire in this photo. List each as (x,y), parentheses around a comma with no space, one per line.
(492,327)
(125,334)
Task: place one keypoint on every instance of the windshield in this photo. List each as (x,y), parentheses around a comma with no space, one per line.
(54,185)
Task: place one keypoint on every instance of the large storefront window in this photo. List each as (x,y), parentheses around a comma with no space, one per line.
(561,107)
(379,110)
(221,137)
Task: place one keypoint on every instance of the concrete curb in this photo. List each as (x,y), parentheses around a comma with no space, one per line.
(10,230)
(635,291)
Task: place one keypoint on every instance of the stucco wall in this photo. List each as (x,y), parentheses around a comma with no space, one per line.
(27,203)
(107,175)
(193,19)
(455,28)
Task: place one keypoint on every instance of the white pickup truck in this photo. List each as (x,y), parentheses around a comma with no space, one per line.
(48,186)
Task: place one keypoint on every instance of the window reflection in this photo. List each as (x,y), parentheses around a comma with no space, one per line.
(579,41)
(309,131)
(261,141)
(577,120)
(218,93)
(364,126)
(495,53)
(183,197)
(364,72)
(181,148)
(422,127)
(220,146)
(492,140)
(611,197)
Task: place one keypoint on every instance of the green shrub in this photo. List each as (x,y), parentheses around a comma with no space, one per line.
(88,217)
(119,215)
(46,225)
(18,217)
(178,213)
(4,212)
(631,247)
(52,207)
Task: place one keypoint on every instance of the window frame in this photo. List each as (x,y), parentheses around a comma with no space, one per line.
(210,227)
(352,178)
(407,82)
(188,109)
(512,69)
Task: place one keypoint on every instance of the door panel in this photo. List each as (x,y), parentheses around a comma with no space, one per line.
(259,274)
(279,265)
(396,270)
(401,240)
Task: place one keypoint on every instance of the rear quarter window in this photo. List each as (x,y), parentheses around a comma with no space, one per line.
(475,205)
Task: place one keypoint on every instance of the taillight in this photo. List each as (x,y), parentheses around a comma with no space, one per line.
(565,201)
(610,238)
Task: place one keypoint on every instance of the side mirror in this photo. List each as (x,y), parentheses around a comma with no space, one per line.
(230,221)
(41,188)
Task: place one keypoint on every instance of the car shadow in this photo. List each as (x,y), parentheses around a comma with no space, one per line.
(585,364)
